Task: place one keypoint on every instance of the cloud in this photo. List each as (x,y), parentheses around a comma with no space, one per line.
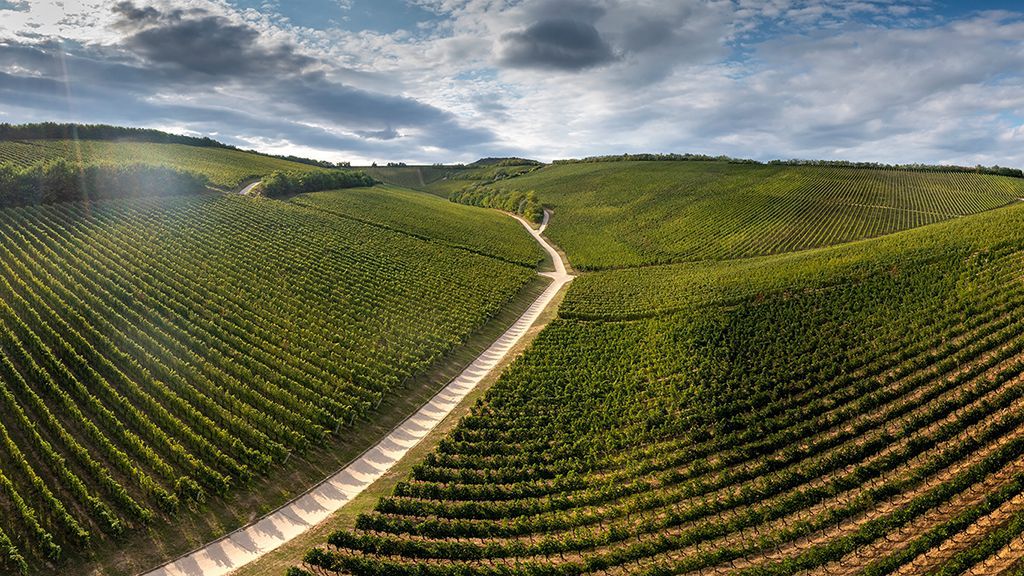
(561,44)
(199,42)
(888,80)
(213,72)
(641,41)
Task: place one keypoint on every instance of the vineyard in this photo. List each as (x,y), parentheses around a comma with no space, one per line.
(430,217)
(619,214)
(867,418)
(411,177)
(157,353)
(225,168)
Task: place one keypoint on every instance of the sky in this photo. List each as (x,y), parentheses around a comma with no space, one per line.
(425,81)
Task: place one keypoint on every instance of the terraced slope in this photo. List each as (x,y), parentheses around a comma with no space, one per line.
(867,418)
(432,218)
(158,353)
(618,214)
(225,168)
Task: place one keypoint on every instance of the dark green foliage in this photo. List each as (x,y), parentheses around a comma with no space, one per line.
(226,168)
(524,204)
(504,162)
(62,181)
(950,168)
(655,158)
(279,184)
(55,131)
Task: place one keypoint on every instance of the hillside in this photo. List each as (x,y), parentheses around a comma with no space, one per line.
(412,177)
(445,181)
(853,410)
(618,214)
(225,168)
(158,356)
(427,216)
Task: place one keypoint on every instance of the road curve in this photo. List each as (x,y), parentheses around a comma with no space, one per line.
(248,189)
(246,544)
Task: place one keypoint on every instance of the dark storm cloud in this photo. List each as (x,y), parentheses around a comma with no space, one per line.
(386,134)
(648,40)
(131,13)
(557,43)
(199,42)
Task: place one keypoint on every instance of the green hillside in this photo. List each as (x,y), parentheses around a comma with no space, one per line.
(158,354)
(854,410)
(617,214)
(224,167)
(411,177)
(431,217)
(445,181)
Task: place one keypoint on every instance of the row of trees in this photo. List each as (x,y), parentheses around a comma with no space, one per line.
(303,160)
(525,204)
(71,131)
(63,181)
(286,183)
(979,169)
(68,131)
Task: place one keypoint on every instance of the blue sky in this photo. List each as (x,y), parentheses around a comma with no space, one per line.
(452,80)
(382,16)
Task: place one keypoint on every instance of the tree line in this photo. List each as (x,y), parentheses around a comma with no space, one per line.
(917,167)
(279,183)
(524,204)
(63,181)
(72,131)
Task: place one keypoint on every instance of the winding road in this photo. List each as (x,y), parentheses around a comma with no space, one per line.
(246,544)
(247,189)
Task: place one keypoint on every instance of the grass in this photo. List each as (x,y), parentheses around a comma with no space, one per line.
(622,214)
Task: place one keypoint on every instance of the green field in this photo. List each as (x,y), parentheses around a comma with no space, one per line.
(760,370)
(445,180)
(431,217)
(619,214)
(412,177)
(857,410)
(225,168)
(157,354)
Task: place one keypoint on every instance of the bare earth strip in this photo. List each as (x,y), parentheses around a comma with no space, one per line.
(247,544)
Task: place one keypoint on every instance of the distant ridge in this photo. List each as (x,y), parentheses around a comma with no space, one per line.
(74,131)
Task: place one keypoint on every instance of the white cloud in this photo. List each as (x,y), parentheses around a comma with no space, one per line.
(867,80)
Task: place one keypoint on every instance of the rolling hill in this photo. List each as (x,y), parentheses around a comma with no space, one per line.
(163,357)
(226,168)
(764,369)
(850,410)
(621,214)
